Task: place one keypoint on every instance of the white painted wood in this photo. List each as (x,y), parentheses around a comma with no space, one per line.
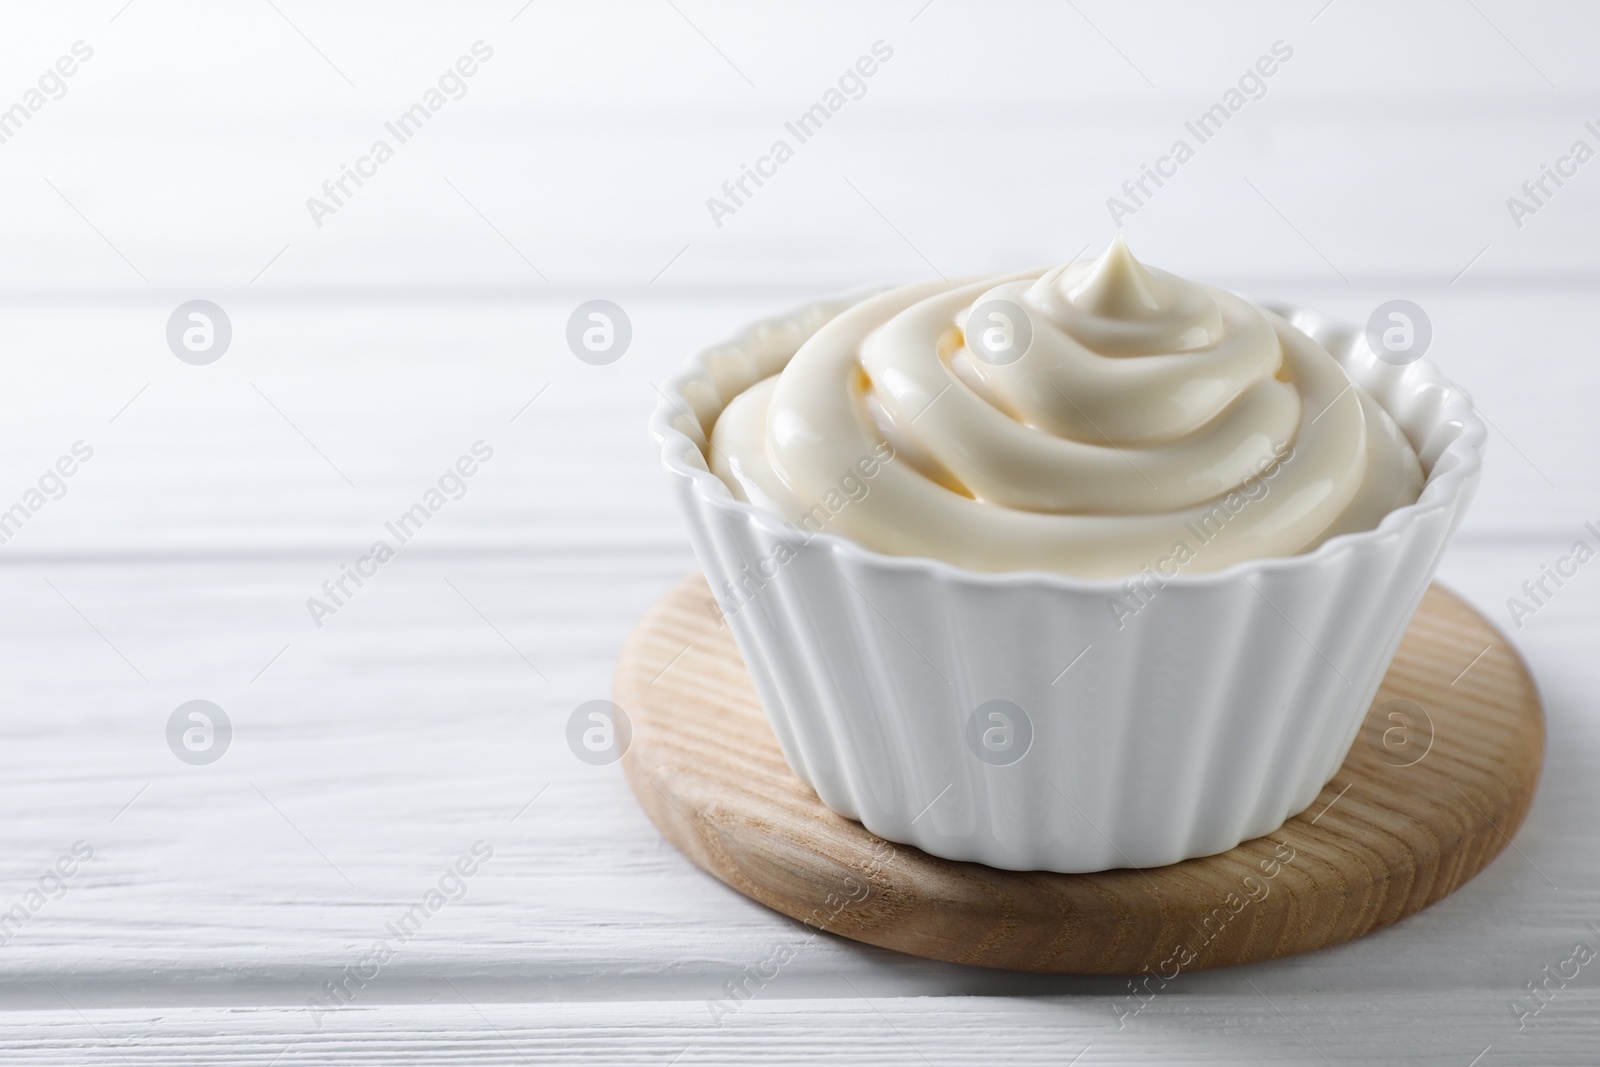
(372,752)
(1242,1027)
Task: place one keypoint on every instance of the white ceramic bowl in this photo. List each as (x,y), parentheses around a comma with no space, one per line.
(1210,717)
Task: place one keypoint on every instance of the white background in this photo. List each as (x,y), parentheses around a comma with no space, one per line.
(370,352)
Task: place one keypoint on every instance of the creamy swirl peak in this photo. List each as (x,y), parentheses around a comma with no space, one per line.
(1097,418)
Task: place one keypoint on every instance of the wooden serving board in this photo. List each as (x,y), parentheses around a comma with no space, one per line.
(1405,821)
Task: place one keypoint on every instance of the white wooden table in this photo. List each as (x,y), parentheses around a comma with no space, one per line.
(428,713)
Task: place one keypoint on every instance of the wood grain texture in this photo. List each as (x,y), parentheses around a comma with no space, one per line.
(458,1028)
(1391,833)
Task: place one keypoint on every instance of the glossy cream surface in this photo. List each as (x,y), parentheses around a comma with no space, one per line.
(1148,422)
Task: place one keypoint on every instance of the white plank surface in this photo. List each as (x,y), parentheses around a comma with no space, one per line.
(370,353)
(1291,1030)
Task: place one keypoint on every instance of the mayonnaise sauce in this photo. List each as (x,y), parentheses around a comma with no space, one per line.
(1091,419)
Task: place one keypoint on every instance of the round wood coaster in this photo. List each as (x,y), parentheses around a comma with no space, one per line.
(1441,776)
